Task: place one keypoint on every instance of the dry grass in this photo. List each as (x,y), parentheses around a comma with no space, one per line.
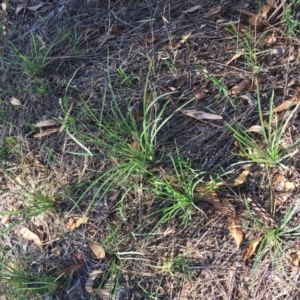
(74,60)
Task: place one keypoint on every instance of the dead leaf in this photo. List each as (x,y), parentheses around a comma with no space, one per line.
(82,220)
(46,132)
(265,10)
(135,144)
(242,177)
(286,104)
(272,39)
(234,57)
(16,102)
(36,230)
(289,185)
(252,247)
(228,208)
(30,236)
(5,219)
(72,223)
(98,250)
(200,95)
(46,123)
(192,9)
(277,179)
(272,3)
(4,6)
(201,115)
(242,87)
(69,270)
(89,284)
(295,259)
(35,7)
(210,196)
(19,8)
(256,128)
(90,29)
(214,11)
(236,231)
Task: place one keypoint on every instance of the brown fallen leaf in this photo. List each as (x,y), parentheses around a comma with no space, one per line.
(252,247)
(241,87)
(201,115)
(192,9)
(89,284)
(285,105)
(289,185)
(272,3)
(295,259)
(28,235)
(46,132)
(35,7)
(4,6)
(214,11)
(242,177)
(210,196)
(36,230)
(236,231)
(5,219)
(98,250)
(69,270)
(72,223)
(16,102)
(256,128)
(261,212)
(81,220)
(46,123)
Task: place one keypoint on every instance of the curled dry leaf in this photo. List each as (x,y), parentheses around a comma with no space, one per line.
(98,250)
(242,87)
(30,236)
(82,220)
(89,284)
(16,102)
(236,231)
(201,115)
(295,259)
(252,247)
(286,104)
(46,132)
(210,196)
(69,270)
(256,128)
(242,177)
(72,223)
(104,292)
(46,123)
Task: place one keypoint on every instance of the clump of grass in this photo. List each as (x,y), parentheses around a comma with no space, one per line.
(275,243)
(23,284)
(269,151)
(175,192)
(128,142)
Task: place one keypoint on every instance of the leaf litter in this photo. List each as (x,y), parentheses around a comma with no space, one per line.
(204,148)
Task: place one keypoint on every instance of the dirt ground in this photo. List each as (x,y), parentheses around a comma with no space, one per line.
(83,47)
